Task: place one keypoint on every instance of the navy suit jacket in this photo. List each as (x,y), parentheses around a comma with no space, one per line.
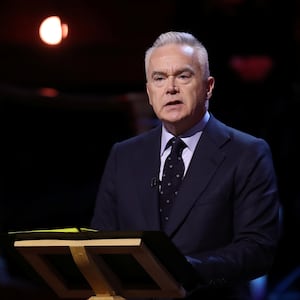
(225,219)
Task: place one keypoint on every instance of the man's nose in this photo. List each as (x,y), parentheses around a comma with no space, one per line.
(172,86)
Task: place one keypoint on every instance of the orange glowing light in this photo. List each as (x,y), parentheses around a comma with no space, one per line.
(52,31)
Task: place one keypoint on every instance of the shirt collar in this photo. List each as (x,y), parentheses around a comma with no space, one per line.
(187,137)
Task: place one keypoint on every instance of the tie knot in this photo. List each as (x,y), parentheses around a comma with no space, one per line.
(177,145)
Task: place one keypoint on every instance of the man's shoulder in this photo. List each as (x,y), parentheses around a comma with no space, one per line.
(228,132)
(148,137)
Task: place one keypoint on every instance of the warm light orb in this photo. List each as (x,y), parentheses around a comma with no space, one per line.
(52,31)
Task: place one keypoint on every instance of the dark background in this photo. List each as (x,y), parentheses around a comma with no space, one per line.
(54,147)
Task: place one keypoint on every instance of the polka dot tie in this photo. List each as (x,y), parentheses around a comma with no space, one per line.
(171,178)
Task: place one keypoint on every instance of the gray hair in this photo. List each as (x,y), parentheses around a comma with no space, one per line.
(181,38)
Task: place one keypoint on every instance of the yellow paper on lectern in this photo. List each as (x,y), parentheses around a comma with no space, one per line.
(65,230)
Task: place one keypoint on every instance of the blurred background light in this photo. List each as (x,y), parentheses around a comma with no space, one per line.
(52,31)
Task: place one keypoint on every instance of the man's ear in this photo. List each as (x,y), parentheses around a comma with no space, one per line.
(148,93)
(210,86)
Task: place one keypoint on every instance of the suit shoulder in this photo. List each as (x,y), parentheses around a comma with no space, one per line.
(148,137)
(223,132)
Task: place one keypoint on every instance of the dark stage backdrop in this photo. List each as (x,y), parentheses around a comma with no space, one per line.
(54,154)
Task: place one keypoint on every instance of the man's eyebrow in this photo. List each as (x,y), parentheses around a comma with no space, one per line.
(179,71)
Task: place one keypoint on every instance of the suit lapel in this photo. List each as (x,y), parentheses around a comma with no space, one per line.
(206,159)
(147,178)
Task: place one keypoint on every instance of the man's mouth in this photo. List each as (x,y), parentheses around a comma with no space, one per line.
(175,102)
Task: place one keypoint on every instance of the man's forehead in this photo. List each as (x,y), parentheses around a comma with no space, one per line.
(176,57)
(172,53)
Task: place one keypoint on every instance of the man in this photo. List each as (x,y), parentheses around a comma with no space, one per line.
(225,215)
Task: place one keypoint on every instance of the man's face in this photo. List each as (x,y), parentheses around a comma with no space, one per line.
(176,88)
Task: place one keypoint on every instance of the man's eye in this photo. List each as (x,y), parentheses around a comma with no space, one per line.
(184,75)
(158,78)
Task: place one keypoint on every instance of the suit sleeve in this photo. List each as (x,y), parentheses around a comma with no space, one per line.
(256,223)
